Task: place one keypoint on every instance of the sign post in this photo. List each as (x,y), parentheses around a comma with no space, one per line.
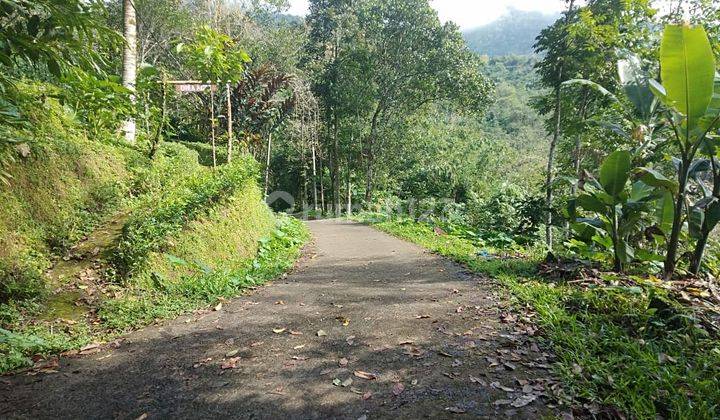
(196,86)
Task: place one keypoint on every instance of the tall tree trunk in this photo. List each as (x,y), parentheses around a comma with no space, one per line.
(163,116)
(349,193)
(129,74)
(314,177)
(321,181)
(303,175)
(553,146)
(336,170)
(370,157)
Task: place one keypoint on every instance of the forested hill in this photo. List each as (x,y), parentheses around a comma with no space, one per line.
(512,34)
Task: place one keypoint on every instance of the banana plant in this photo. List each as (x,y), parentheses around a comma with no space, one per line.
(687,91)
(619,204)
(642,115)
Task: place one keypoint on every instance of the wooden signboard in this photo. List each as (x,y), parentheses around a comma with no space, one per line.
(194,87)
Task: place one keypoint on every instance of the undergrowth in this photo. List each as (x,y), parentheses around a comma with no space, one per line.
(634,349)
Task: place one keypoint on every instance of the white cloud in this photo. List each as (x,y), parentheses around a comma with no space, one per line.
(298,7)
(468,13)
(472,13)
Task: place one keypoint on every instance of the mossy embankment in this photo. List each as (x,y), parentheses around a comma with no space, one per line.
(96,239)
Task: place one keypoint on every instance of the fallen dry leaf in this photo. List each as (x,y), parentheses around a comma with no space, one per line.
(366,396)
(498,385)
(455,410)
(414,351)
(398,388)
(218,306)
(364,375)
(477,380)
(230,363)
(343,362)
(523,400)
(90,348)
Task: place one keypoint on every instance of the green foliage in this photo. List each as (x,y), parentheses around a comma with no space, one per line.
(214,56)
(43,39)
(148,228)
(688,71)
(622,211)
(276,253)
(688,68)
(506,216)
(100,104)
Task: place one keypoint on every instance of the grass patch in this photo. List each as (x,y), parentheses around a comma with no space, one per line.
(141,304)
(631,348)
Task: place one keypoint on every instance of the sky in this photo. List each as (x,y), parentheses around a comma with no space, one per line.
(468,13)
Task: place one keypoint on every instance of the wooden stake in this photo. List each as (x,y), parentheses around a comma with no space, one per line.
(267,165)
(212,127)
(230,124)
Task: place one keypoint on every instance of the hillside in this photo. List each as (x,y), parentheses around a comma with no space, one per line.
(512,34)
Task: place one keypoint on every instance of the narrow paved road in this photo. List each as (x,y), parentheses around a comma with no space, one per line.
(437,341)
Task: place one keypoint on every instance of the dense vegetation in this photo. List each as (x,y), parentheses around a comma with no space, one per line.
(101,233)
(574,158)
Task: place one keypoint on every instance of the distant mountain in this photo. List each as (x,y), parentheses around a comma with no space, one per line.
(512,34)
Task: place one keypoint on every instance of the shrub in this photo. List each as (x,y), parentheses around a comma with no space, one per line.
(508,215)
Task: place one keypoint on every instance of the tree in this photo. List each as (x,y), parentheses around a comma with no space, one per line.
(553,43)
(129,61)
(586,43)
(378,62)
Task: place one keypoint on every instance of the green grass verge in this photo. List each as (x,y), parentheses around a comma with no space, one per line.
(141,304)
(630,348)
